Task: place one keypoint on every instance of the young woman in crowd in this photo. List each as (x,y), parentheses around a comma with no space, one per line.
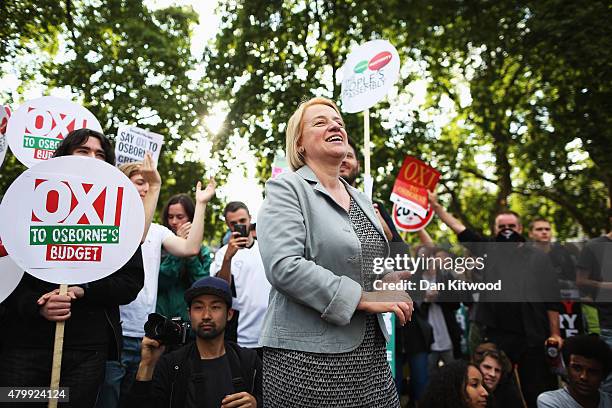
(176,274)
(456,385)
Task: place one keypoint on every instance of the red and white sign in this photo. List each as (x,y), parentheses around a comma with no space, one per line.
(10,274)
(36,129)
(412,183)
(71,220)
(5,114)
(407,220)
(368,74)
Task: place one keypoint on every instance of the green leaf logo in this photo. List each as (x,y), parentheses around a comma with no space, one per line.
(361,66)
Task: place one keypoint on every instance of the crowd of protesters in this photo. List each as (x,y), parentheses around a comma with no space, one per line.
(248,303)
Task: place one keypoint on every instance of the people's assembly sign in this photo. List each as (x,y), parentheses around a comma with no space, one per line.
(5,114)
(10,274)
(411,209)
(368,74)
(132,143)
(38,126)
(71,220)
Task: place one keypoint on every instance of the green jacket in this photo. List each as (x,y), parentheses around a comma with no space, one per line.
(175,276)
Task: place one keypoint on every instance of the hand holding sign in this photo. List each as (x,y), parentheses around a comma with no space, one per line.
(149,172)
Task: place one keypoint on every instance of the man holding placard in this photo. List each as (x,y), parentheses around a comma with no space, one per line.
(90,310)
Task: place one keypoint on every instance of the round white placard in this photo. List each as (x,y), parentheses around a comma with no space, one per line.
(36,129)
(71,220)
(368,74)
(10,274)
(5,114)
(407,220)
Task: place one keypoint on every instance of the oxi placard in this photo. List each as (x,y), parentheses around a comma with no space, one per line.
(132,143)
(411,185)
(71,220)
(368,74)
(36,129)
(407,220)
(5,114)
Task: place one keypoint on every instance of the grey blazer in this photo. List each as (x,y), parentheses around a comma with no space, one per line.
(312,258)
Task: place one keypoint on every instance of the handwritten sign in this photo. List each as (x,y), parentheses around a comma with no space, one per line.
(132,143)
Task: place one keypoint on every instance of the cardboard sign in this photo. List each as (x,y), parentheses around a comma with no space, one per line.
(132,143)
(5,114)
(407,220)
(412,183)
(71,220)
(10,274)
(368,74)
(36,129)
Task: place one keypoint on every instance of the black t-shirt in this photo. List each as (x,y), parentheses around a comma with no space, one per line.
(529,288)
(210,383)
(596,258)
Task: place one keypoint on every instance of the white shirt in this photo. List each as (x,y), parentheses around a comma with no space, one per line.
(252,291)
(134,315)
(562,399)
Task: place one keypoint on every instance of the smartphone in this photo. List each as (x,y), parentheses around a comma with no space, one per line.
(242,229)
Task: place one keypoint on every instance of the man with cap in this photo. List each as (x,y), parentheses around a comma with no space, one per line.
(209,372)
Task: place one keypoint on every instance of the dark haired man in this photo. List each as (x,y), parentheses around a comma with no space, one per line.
(588,360)
(91,312)
(209,372)
(239,264)
(525,315)
(86,142)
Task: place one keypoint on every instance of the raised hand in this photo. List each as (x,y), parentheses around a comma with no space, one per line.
(149,170)
(204,196)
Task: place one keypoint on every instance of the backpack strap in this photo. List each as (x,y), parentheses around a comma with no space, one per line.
(237,367)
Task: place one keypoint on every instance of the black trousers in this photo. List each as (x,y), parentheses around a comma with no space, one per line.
(82,372)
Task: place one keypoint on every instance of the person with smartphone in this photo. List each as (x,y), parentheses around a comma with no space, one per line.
(239,263)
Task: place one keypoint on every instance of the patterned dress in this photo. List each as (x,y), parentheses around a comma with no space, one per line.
(358,378)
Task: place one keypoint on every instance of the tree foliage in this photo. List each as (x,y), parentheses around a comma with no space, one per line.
(130,65)
(524,88)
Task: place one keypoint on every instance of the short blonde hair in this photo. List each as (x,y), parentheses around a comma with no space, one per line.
(294,130)
(131,169)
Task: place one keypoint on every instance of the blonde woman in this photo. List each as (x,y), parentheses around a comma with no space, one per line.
(323,335)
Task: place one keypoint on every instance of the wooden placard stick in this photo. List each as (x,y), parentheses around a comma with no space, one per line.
(58,348)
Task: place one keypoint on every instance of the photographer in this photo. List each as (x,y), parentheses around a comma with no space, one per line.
(207,373)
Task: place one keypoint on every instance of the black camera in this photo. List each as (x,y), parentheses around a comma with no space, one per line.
(242,229)
(167,331)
